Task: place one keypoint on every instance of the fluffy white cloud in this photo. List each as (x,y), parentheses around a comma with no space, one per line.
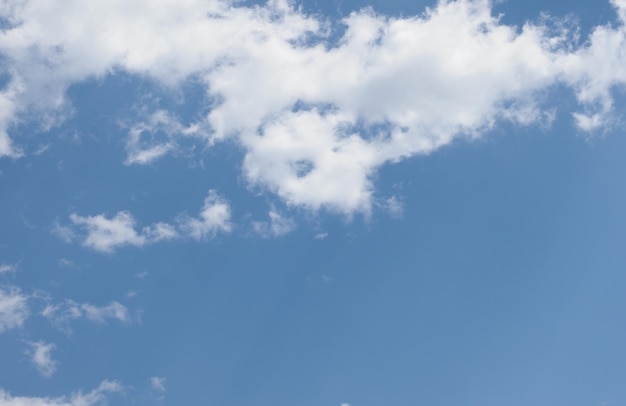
(316,117)
(107,234)
(41,356)
(93,398)
(213,218)
(61,314)
(13,308)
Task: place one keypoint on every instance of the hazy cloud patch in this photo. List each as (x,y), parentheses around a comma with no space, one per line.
(13,308)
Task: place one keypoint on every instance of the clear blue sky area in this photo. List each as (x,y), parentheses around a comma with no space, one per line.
(486,270)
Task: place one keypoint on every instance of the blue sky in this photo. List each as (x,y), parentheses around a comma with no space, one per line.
(335,203)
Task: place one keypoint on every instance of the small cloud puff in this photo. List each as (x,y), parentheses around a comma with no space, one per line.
(106,234)
(13,308)
(214,217)
(157,383)
(41,357)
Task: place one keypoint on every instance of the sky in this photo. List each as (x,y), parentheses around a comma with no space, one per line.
(321,203)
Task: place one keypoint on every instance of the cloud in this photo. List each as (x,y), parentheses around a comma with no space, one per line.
(7,268)
(41,357)
(316,116)
(64,233)
(393,206)
(93,398)
(152,139)
(61,314)
(213,218)
(108,234)
(277,225)
(105,234)
(157,383)
(13,308)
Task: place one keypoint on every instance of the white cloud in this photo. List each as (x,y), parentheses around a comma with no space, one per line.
(64,233)
(152,139)
(393,206)
(93,398)
(61,314)
(41,356)
(7,268)
(277,225)
(316,118)
(160,232)
(158,383)
(13,308)
(107,234)
(214,217)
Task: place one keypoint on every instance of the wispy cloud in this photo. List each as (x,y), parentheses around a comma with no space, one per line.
(7,268)
(277,225)
(13,308)
(41,356)
(155,137)
(63,313)
(93,398)
(157,383)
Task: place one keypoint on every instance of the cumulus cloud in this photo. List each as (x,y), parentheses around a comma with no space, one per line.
(93,398)
(107,234)
(213,218)
(61,314)
(41,357)
(316,116)
(104,234)
(13,308)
